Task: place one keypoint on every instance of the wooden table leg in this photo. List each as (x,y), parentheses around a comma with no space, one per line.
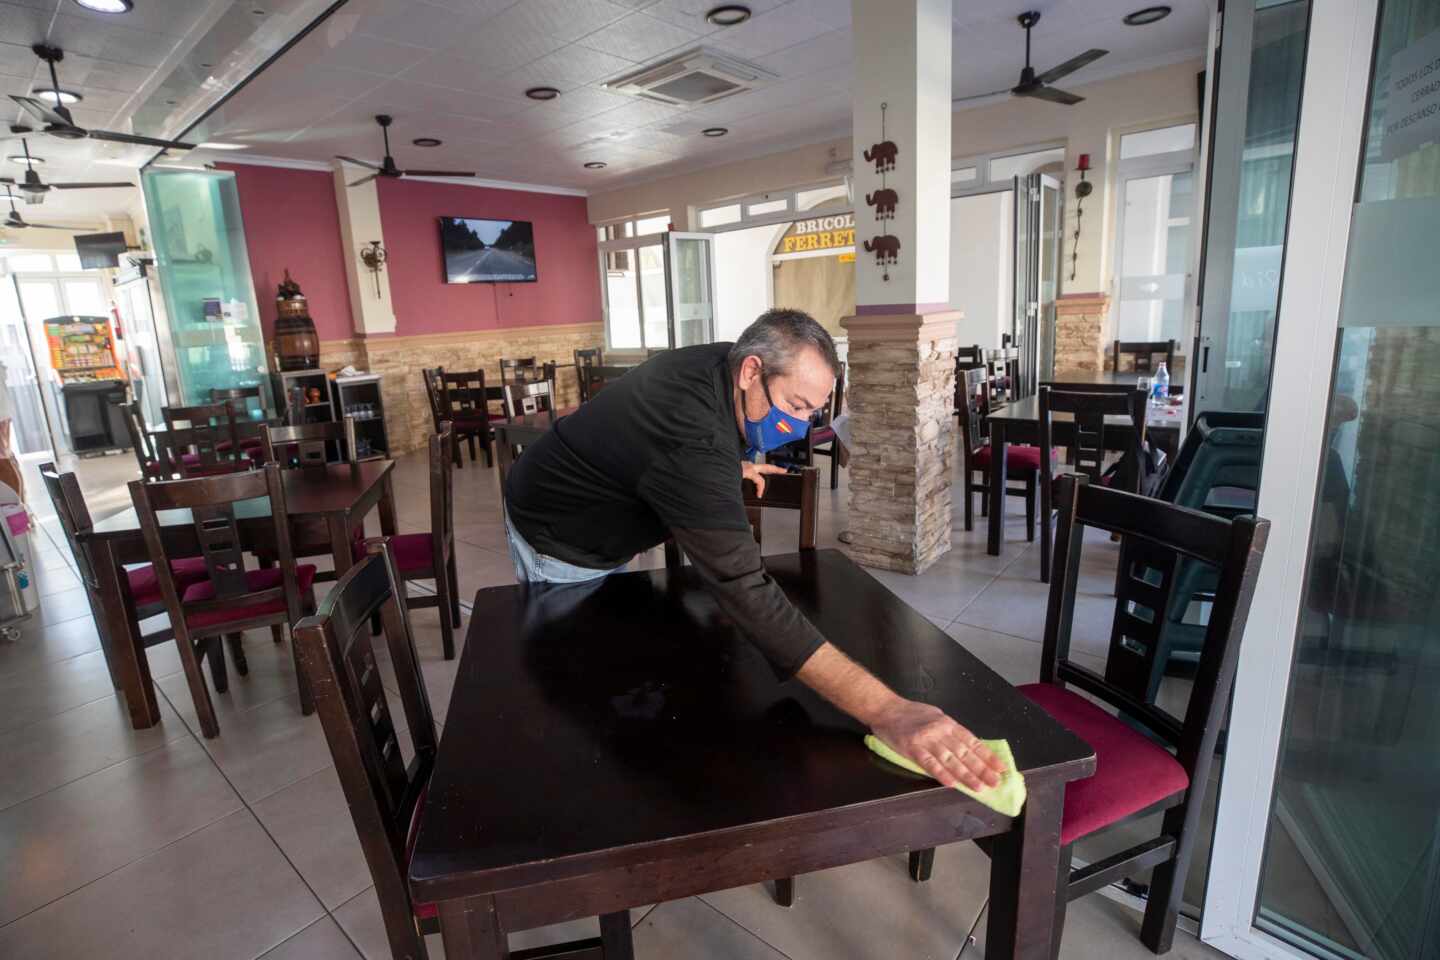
(387,507)
(1026,909)
(471,930)
(127,650)
(504,457)
(340,553)
(996,494)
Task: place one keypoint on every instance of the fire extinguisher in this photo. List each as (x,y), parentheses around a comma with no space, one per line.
(115,322)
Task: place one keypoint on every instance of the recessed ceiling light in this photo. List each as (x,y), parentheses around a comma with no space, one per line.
(728,15)
(217,145)
(715,131)
(542,93)
(596,165)
(426,141)
(1146,15)
(107,6)
(64,96)
(23,161)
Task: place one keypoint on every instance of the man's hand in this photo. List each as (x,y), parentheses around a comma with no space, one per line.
(947,751)
(755,473)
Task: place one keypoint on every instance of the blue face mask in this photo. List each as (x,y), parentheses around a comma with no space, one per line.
(775,429)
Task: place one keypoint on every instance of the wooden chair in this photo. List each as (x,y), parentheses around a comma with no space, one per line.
(193,452)
(1143,352)
(462,400)
(431,555)
(382,791)
(1148,760)
(1087,446)
(1004,367)
(522,399)
(308,445)
(966,358)
(791,491)
(218,416)
(231,599)
(1022,461)
(143,600)
(150,466)
(585,363)
(518,370)
(820,438)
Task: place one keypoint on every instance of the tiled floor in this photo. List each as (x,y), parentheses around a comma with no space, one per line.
(157,843)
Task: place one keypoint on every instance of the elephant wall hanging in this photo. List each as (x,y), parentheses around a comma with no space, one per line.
(883,200)
(886,249)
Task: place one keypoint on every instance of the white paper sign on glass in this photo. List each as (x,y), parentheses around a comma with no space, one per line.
(1412,98)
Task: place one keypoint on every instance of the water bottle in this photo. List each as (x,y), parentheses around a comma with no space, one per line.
(1160,386)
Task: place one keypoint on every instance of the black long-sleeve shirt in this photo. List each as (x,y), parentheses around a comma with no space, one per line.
(654,454)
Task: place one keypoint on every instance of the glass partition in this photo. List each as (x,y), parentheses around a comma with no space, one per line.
(205,277)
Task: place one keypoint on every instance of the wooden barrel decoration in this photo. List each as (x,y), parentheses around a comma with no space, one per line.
(296,344)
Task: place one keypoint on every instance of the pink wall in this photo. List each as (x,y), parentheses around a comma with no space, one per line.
(291,220)
(568,288)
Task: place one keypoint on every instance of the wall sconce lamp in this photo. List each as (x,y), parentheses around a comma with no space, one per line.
(374,257)
(1082,190)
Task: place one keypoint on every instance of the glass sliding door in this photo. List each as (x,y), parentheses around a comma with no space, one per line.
(690,261)
(658,290)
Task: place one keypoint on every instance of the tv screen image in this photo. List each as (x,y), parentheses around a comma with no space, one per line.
(99,250)
(487,251)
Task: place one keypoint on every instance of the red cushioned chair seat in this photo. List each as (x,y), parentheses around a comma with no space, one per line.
(145,584)
(471,421)
(413,551)
(1018,456)
(823,435)
(255,580)
(423,911)
(1131,771)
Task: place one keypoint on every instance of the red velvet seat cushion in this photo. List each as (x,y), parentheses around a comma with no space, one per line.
(255,580)
(1018,456)
(412,551)
(1131,771)
(823,435)
(145,583)
(423,911)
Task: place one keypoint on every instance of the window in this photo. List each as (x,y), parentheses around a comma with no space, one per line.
(963,175)
(648,225)
(636,227)
(767,206)
(1024,164)
(720,216)
(808,199)
(1149,143)
(29,263)
(772,207)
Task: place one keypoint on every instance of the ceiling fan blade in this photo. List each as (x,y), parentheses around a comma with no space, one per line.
(980,96)
(356,183)
(51,226)
(435,173)
(1050,93)
(41,111)
(359,163)
(90,186)
(1071,65)
(136,138)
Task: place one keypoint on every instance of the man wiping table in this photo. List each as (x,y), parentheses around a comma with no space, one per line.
(660,453)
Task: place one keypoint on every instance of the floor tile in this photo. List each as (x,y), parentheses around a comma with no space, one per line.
(1015,604)
(271,677)
(42,643)
(322,940)
(32,695)
(1014,658)
(269,747)
(941,591)
(1098,928)
(361,921)
(54,843)
(313,826)
(479,567)
(56,750)
(55,580)
(223,893)
(62,606)
(690,929)
(869,910)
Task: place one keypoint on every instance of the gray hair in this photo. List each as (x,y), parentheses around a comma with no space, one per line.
(778,337)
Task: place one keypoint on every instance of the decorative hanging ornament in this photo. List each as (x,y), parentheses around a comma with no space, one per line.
(374,257)
(886,247)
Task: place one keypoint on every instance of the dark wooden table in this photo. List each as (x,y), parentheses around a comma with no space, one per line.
(341,493)
(511,432)
(1078,379)
(619,743)
(1019,422)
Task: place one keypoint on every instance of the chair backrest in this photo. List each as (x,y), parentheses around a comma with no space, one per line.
(431,377)
(462,394)
(239,398)
(593,357)
(1221,451)
(791,491)
(1004,365)
(218,415)
(337,653)
(211,502)
(203,441)
(1089,410)
(540,393)
(309,444)
(1143,352)
(967,357)
(518,370)
(971,393)
(442,487)
(1162,535)
(150,466)
(74,516)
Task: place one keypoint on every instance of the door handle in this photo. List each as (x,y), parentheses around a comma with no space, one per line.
(1205,359)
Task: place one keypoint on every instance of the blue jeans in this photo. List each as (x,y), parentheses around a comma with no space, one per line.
(533,567)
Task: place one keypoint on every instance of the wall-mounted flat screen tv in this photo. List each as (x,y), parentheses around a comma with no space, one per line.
(99,250)
(487,251)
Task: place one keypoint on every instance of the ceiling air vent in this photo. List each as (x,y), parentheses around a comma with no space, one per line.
(695,77)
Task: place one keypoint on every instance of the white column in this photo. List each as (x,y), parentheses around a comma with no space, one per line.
(902,338)
(359,224)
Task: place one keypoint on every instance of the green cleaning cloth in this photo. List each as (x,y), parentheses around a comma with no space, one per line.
(1006,797)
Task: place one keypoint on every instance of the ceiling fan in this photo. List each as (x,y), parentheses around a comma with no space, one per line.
(34,190)
(58,121)
(1038,85)
(387,168)
(17,222)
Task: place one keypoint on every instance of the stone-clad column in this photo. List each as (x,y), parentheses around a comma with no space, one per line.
(901,378)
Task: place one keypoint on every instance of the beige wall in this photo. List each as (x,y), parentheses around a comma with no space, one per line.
(1136,101)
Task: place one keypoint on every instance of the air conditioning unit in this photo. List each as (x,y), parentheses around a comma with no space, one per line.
(696,77)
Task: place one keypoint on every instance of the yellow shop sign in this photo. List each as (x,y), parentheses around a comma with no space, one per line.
(820,233)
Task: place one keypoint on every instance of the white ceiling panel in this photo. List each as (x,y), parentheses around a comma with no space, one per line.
(418,22)
(372,55)
(829,50)
(404,97)
(640,37)
(690,14)
(785,26)
(565,69)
